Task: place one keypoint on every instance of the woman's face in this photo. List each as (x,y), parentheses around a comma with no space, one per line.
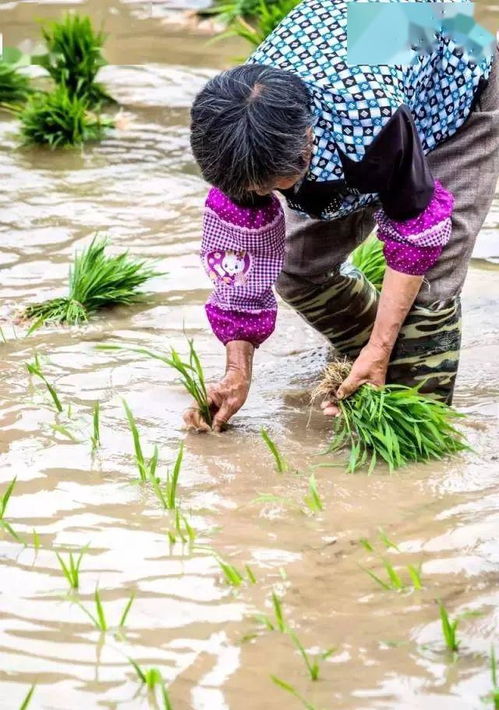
(285,183)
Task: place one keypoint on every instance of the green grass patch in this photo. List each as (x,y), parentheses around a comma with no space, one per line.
(96,280)
(60,120)
(394,424)
(15,87)
(74,57)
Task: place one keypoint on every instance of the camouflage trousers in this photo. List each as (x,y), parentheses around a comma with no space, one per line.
(336,299)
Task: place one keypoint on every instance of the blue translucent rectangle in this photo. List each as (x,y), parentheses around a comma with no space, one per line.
(396,32)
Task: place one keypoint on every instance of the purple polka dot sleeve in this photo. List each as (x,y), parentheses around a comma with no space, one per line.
(414,246)
(243,253)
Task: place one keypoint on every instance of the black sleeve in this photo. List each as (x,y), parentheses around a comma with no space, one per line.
(395,167)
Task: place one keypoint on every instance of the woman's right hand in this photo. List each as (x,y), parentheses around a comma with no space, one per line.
(227,396)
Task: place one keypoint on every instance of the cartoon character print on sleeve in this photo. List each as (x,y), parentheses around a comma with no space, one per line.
(229,267)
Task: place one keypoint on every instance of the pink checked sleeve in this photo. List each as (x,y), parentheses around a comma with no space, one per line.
(243,253)
(413,246)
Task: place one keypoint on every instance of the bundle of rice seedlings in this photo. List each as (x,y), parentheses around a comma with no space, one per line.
(264,17)
(395,424)
(96,280)
(15,88)
(369,258)
(58,120)
(74,57)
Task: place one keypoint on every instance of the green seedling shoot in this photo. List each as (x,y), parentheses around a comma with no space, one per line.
(313,499)
(292,691)
(99,619)
(27,700)
(35,370)
(71,567)
(280,462)
(4,501)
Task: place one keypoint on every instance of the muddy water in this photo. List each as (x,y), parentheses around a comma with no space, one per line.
(140,187)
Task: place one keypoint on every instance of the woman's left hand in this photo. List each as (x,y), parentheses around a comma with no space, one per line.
(370,367)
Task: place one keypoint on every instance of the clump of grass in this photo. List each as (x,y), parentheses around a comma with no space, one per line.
(4,501)
(15,87)
(280,462)
(71,567)
(395,424)
(75,57)
(35,369)
(369,258)
(99,619)
(96,281)
(58,119)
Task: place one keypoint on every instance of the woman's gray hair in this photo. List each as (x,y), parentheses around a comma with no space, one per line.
(249,127)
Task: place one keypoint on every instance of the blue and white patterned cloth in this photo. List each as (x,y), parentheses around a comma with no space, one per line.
(353,103)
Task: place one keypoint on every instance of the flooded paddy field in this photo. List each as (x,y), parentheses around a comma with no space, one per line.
(140,186)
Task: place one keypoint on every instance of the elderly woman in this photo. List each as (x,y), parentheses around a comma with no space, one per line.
(413,151)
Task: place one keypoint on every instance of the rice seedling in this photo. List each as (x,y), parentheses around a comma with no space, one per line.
(75,57)
(313,499)
(312,663)
(265,16)
(147,469)
(95,438)
(168,496)
(96,281)
(394,424)
(36,540)
(152,679)
(71,567)
(292,691)
(64,431)
(233,576)
(394,581)
(389,544)
(369,258)
(183,530)
(27,700)
(493,696)
(35,370)
(15,87)
(280,462)
(449,629)
(278,623)
(59,120)
(99,619)
(4,501)
(191,373)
